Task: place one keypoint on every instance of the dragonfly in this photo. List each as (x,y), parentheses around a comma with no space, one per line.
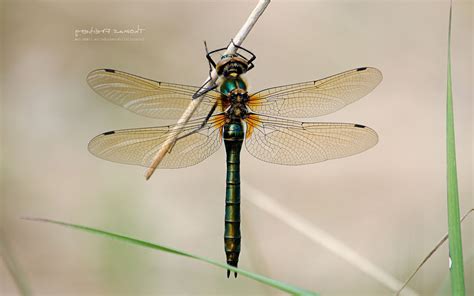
(264,121)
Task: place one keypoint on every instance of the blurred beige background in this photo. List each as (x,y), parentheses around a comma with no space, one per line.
(387,204)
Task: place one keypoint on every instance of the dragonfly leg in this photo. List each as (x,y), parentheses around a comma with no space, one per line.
(204,90)
(252,55)
(212,64)
(197,129)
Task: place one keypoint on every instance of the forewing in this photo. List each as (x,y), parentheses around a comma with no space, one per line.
(139,146)
(316,98)
(291,142)
(148,97)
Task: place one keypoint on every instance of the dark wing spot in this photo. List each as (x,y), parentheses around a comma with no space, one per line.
(359,125)
(109,133)
(109,70)
(361,69)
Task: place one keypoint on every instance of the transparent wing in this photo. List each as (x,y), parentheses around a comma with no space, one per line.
(289,142)
(139,146)
(147,97)
(316,98)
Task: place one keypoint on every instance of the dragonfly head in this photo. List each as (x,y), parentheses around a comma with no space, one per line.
(232,66)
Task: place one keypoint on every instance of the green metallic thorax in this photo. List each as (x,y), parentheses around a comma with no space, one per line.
(231,83)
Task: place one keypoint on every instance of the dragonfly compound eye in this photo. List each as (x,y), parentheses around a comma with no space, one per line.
(233,66)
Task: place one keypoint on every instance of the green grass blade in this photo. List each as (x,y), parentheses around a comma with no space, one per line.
(438,245)
(12,266)
(454,226)
(270,282)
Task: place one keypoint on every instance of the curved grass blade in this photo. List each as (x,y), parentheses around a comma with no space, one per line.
(260,278)
(454,226)
(439,244)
